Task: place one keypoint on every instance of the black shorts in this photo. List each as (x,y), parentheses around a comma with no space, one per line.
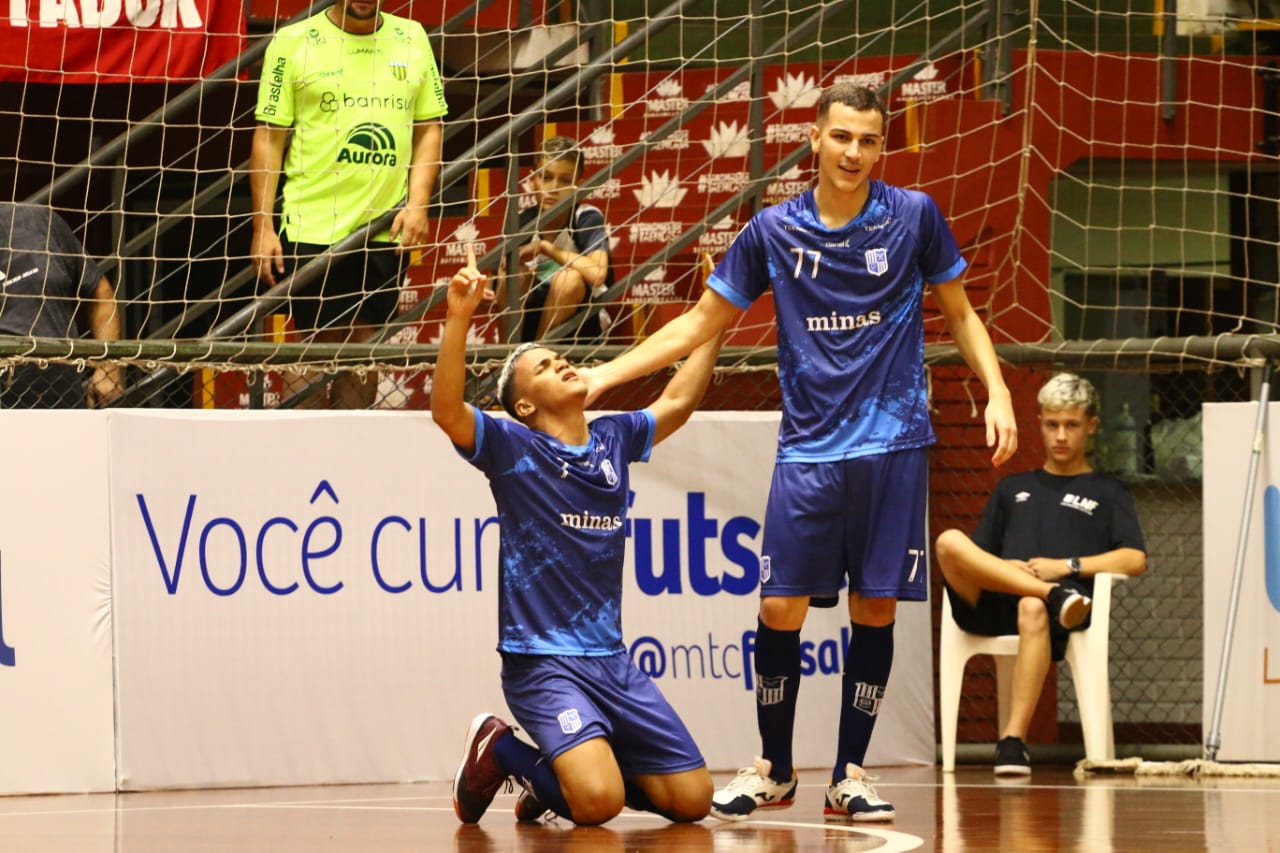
(996,614)
(361,286)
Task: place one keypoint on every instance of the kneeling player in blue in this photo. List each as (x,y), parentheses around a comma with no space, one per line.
(606,737)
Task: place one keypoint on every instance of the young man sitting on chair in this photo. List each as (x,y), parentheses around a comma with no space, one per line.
(1029,567)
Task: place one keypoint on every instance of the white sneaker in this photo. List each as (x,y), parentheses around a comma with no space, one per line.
(752,789)
(852,798)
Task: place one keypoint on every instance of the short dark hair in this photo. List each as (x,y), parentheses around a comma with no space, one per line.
(561,148)
(852,95)
(507,379)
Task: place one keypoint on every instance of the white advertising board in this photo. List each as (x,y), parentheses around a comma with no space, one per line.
(56,727)
(311,598)
(300,599)
(1251,701)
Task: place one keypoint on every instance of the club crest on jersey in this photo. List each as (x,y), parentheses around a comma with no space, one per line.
(400,70)
(610,475)
(570,722)
(877,261)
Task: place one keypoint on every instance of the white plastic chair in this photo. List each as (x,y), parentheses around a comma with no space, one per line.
(1087,655)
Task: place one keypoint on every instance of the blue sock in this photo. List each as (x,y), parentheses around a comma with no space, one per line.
(524,762)
(777,686)
(866,672)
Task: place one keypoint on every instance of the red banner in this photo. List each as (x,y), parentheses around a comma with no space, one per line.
(117,41)
(430,13)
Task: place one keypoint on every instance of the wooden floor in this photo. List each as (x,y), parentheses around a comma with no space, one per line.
(965,811)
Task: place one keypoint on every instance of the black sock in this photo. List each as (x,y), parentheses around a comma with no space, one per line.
(777,686)
(866,672)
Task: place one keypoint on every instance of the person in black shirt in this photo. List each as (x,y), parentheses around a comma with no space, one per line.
(50,288)
(1029,567)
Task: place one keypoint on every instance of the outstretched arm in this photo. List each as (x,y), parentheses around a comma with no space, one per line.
(975,346)
(448,408)
(685,390)
(709,317)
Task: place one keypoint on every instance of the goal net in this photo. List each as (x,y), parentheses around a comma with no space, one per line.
(1108,172)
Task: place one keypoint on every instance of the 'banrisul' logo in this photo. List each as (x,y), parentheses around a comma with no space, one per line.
(7,656)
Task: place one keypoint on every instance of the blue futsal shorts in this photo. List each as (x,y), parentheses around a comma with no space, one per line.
(563,701)
(858,519)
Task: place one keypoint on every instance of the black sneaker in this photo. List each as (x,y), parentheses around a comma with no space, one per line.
(1012,758)
(479,775)
(1068,605)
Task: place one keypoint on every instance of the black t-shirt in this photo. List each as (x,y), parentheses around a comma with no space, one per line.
(44,273)
(1038,514)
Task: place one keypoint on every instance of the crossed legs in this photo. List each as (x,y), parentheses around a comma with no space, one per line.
(969,570)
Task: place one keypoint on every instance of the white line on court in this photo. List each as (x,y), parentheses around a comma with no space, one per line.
(894,842)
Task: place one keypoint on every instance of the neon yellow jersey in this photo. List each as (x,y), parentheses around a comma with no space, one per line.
(352,101)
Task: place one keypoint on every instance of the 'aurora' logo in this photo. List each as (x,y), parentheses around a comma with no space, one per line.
(369,144)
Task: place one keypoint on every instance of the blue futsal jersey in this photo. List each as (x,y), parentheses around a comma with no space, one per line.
(561,510)
(850,317)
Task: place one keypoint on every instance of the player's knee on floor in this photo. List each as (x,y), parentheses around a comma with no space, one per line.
(593,801)
(692,802)
(680,797)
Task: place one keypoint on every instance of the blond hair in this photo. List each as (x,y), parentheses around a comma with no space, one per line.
(1065,391)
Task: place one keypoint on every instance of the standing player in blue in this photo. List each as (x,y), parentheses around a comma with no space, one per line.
(849,262)
(605,734)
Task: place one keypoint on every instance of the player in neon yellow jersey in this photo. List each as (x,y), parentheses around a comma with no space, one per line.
(354,95)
